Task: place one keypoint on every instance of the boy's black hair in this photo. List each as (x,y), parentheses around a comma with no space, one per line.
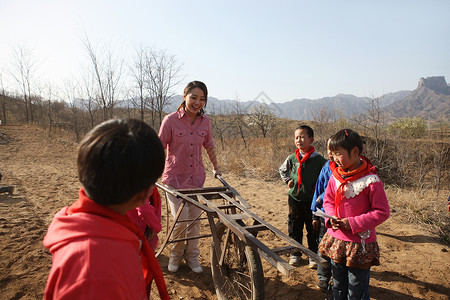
(308,129)
(118,159)
(347,139)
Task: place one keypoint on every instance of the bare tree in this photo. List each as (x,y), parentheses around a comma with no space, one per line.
(238,120)
(70,94)
(49,113)
(39,107)
(441,154)
(107,71)
(218,123)
(163,75)
(88,100)
(3,101)
(372,120)
(261,117)
(324,119)
(24,68)
(140,80)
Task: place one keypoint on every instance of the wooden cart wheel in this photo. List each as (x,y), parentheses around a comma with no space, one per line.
(241,276)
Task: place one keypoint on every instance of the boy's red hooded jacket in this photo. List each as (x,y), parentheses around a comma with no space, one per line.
(96,257)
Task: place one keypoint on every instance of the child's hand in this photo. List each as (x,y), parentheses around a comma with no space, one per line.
(334,224)
(341,224)
(291,183)
(149,233)
(316,225)
(344,224)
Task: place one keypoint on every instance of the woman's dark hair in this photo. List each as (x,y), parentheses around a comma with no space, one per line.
(347,139)
(189,87)
(118,159)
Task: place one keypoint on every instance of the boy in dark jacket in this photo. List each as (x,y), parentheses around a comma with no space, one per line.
(300,171)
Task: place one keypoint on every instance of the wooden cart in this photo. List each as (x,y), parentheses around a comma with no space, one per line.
(235,248)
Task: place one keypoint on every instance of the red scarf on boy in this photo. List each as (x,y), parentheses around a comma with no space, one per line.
(347,176)
(304,158)
(150,265)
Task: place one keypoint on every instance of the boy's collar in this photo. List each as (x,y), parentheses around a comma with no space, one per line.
(304,152)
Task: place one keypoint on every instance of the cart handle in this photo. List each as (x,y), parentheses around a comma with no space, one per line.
(238,196)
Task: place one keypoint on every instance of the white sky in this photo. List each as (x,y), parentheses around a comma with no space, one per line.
(287,49)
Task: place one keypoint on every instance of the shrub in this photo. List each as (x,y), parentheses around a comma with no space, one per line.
(408,128)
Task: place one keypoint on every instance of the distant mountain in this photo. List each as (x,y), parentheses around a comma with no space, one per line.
(347,105)
(430,101)
(297,109)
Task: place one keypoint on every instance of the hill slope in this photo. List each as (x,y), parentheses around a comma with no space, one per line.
(430,101)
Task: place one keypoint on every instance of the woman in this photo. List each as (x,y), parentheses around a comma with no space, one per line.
(183,134)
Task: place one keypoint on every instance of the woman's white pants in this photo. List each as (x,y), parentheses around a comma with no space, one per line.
(188,249)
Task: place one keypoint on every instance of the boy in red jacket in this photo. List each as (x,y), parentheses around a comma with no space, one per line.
(98,252)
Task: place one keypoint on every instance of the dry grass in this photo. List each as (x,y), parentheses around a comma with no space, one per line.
(425,208)
(259,158)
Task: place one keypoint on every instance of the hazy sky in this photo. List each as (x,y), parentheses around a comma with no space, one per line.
(287,49)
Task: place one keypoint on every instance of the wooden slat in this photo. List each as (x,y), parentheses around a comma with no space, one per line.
(279,263)
(225,206)
(203,190)
(210,195)
(284,250)
(258,227)
(238,216)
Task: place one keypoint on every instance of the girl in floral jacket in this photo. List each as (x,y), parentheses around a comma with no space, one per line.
(356,200)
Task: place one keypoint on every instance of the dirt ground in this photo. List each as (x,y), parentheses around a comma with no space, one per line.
(414,264)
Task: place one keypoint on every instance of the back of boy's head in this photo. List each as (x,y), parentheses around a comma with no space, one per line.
(347,139)
(308,129)
(118,159)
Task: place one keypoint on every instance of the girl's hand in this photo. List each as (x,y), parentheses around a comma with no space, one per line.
(344,224)
(291,183)
(341,224)
(334,224)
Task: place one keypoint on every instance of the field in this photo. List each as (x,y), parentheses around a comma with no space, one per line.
(414,260)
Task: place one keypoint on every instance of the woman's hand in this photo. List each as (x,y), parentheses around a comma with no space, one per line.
(291,183)
(216,173)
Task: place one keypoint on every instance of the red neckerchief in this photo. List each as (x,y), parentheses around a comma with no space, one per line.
(150,265)
(373,169)
(344,177)
(304,158)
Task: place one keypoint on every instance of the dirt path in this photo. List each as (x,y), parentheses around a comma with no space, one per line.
(414,264)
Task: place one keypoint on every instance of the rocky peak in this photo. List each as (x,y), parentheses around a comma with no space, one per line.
(435,83)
